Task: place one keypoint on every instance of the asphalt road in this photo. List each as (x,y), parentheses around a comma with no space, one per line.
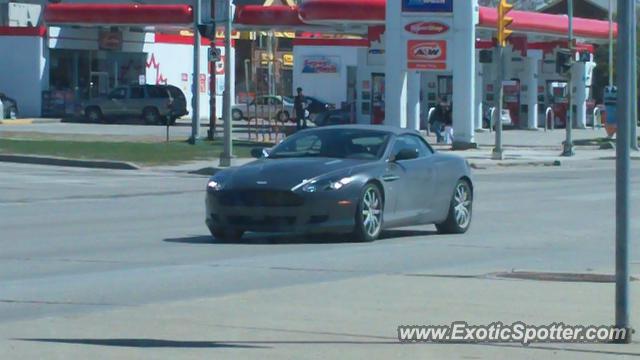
(77,240)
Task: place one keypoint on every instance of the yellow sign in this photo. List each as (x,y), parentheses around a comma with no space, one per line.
(287,59)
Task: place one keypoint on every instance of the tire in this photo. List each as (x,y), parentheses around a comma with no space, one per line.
(369,214)
(151,116)
(237,115)
(12,113)
(226,235)
(94,114)
(460,210)
(283,116)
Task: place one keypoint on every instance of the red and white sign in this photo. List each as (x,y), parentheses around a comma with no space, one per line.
(427,54)
(426,28)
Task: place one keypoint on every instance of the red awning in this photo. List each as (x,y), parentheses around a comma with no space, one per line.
(118,14)
(258,15)
(341,11)
(526,21)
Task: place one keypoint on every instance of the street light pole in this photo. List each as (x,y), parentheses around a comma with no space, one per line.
(625,81)
(227,154)
(610,43)
(195,89)
(568,142)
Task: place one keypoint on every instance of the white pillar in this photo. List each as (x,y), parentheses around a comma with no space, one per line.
(532,68)
(478,94)
(462,55)
(395,64)
(413,100)
(579,80)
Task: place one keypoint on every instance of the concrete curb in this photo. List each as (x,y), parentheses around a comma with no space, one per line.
(506,164)
(57,161)
(16,122)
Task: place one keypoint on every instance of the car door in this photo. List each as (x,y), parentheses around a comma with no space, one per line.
(414,177)
(135,101)
(115,102)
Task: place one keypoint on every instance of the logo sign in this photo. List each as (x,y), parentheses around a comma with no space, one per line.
(437,6)
(427,55)
(320,65)
(426,28)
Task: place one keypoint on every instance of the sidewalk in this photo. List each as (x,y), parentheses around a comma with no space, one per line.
(356,318)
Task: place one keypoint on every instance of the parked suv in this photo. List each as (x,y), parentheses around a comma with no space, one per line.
(154,103)
(10,107)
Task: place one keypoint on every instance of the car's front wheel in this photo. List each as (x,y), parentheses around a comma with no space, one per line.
(369,214)
(283,116)
(151,116)
(94,114)
(237,115)
(460,209)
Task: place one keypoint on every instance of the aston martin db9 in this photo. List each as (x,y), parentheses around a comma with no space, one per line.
(354,179)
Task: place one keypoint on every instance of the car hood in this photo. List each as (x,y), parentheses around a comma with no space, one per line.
(284,174)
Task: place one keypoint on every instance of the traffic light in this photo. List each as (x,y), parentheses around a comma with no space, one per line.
(563,61)
(503,22)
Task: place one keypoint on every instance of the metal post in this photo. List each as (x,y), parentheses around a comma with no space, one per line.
(610,42)
(213,114)
(497,151)
(195,89)
(568,142)
(227,154)
(625,102)
(634,78)
(492,114)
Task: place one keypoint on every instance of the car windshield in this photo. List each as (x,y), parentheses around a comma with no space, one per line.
(334,143)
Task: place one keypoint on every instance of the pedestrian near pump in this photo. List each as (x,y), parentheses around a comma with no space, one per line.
(299,105)
(437,120)
(448,124)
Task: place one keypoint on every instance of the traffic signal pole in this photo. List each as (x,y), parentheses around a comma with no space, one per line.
(227,153)
(195,89)
(503,34)
(626,81)
(568,142)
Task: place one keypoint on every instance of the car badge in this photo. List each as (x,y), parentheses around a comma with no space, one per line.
(261,182)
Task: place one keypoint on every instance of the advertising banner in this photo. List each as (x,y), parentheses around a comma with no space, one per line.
(321,65)
(427,54)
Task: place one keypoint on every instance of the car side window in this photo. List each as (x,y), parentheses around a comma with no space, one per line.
(137,92)
(119,93)
(411,142)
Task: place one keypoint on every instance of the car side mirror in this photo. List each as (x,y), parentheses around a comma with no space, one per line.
(405,154)
(260,153)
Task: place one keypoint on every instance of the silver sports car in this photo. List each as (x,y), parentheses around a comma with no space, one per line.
(355,179)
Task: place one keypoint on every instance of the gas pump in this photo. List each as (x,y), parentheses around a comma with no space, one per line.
(558,96)
(610,103)
(512,101)
(377,94)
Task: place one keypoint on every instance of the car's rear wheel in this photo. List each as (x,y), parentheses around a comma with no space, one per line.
(237,115)
(12,113)
(460,210)
(283,116)
(369,214)
(94,114)
(226,234)
(151,116)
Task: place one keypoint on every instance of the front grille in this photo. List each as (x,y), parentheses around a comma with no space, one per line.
(259,198)
(271,221)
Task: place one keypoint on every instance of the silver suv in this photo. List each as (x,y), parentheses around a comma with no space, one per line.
(154,103)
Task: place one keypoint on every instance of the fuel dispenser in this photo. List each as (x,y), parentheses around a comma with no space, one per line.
(611,103)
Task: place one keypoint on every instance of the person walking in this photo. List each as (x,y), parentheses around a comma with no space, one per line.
(299,105)
(437,120)
(448,124)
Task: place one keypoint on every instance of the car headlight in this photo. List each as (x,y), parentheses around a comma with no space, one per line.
(315,186)
(214,185)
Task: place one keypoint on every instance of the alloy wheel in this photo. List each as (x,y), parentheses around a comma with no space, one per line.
(371,212)
(462,205)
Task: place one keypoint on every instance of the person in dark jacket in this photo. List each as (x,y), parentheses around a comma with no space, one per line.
(438,118)
(299,105)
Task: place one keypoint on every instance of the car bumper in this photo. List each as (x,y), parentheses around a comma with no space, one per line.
(319,212)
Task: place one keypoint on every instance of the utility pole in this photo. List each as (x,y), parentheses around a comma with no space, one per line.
(503,34)
(626,80)
(195,89)
(568,142)
(227,154)
(610,43)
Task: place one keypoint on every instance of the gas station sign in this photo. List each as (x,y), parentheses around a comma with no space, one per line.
(437,6)
(427,54)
